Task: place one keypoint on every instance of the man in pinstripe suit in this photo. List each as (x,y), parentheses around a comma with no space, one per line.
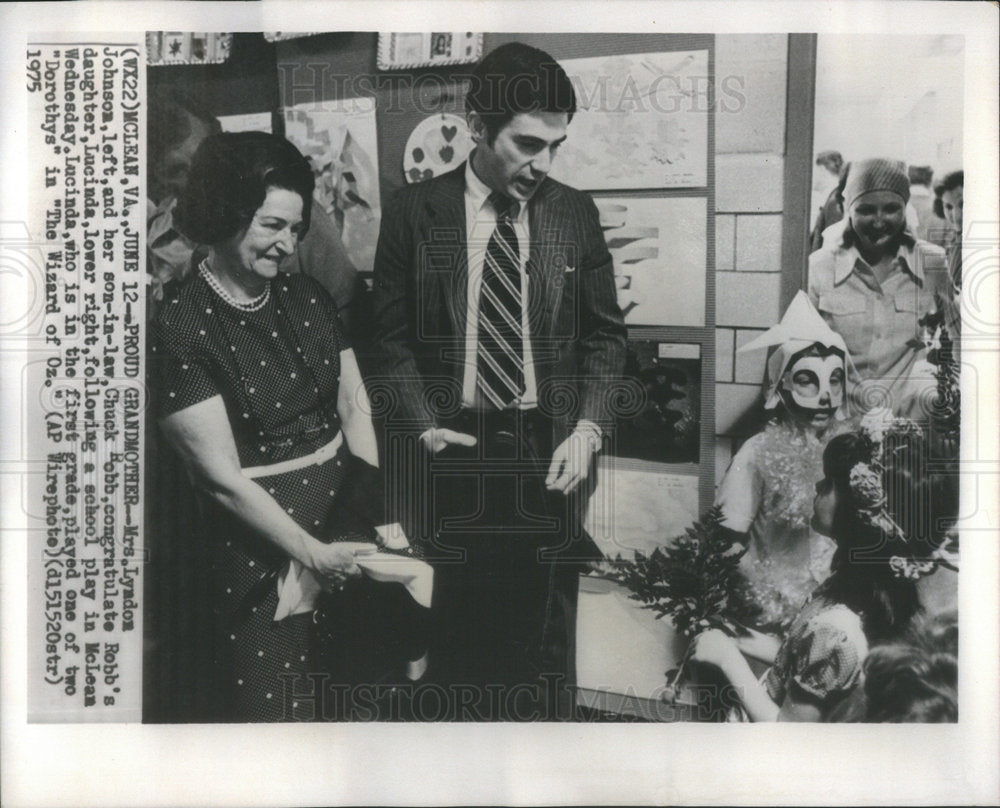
(500,342)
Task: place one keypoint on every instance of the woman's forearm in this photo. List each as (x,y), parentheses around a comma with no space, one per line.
(259,511)
(204,440)
(360,435)
(354,410)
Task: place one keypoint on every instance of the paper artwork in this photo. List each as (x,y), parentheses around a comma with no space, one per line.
(437,144)
(185,48)
(659,252)
(634,509)
(339,140)
(641,122)
(412,49)
(662,421)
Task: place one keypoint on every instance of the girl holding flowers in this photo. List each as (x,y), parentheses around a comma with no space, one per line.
(875,502)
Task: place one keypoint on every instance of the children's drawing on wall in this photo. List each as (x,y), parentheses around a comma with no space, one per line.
(338,138)
(641,122)
(665,426)
(437,144)
(658,247)
(638,508)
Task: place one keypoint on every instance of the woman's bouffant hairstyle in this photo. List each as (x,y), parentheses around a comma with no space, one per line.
(916,681)
(516,78)
(229,179)
(862,577)
(956,179)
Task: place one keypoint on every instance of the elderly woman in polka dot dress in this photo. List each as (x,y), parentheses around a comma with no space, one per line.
(263,400)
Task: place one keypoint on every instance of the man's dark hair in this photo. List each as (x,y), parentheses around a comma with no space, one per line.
(516,78)
(920,175)
(229,179)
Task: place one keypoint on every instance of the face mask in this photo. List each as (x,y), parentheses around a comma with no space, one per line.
(815,383)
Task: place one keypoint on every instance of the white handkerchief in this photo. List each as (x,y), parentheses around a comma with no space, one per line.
(416,575)
(297,591)
(298,587)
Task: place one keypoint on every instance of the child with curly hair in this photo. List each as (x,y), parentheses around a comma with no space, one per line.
(875,502)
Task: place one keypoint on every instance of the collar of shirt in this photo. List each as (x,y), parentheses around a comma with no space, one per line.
(846,262)
(477,195)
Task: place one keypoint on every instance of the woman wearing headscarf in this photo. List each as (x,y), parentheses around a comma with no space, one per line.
(874,285)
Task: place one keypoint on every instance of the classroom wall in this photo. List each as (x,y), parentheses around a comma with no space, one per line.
(327,67)
(749,199)
(247,82)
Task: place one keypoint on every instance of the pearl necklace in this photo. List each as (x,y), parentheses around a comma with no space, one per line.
(251,305)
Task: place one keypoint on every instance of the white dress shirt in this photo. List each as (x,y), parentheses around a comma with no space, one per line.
(480,222)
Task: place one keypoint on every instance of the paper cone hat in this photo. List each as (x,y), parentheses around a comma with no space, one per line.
(801,327)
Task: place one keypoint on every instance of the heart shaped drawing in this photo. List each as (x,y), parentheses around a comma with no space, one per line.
(446,153)
(449,132)
(418,155)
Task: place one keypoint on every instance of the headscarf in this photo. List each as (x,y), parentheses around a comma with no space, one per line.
(876,174)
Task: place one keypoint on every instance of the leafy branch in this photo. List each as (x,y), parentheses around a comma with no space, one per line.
(694,579)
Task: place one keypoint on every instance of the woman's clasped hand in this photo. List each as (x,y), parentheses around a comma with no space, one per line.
(335,563)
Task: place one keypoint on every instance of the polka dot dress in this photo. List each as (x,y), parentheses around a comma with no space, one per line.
(277,370)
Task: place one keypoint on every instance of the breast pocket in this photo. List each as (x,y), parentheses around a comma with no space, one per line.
(551,303)
(907,309)
(849,313)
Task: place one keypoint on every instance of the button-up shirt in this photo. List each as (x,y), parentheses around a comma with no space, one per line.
(480,222)
(880,321)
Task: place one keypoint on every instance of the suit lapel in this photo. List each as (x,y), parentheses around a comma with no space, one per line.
(446,237)
(544,264)
(446,251)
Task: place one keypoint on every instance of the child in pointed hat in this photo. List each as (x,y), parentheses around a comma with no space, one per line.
(767,493)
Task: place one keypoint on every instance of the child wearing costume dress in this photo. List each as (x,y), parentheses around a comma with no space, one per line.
(766,495)
(875,502)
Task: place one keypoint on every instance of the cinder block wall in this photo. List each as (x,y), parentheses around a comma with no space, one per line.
(751,77)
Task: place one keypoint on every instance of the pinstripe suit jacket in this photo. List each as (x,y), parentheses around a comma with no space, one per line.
(421,285)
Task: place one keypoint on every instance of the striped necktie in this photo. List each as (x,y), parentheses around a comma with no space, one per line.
(500,351)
